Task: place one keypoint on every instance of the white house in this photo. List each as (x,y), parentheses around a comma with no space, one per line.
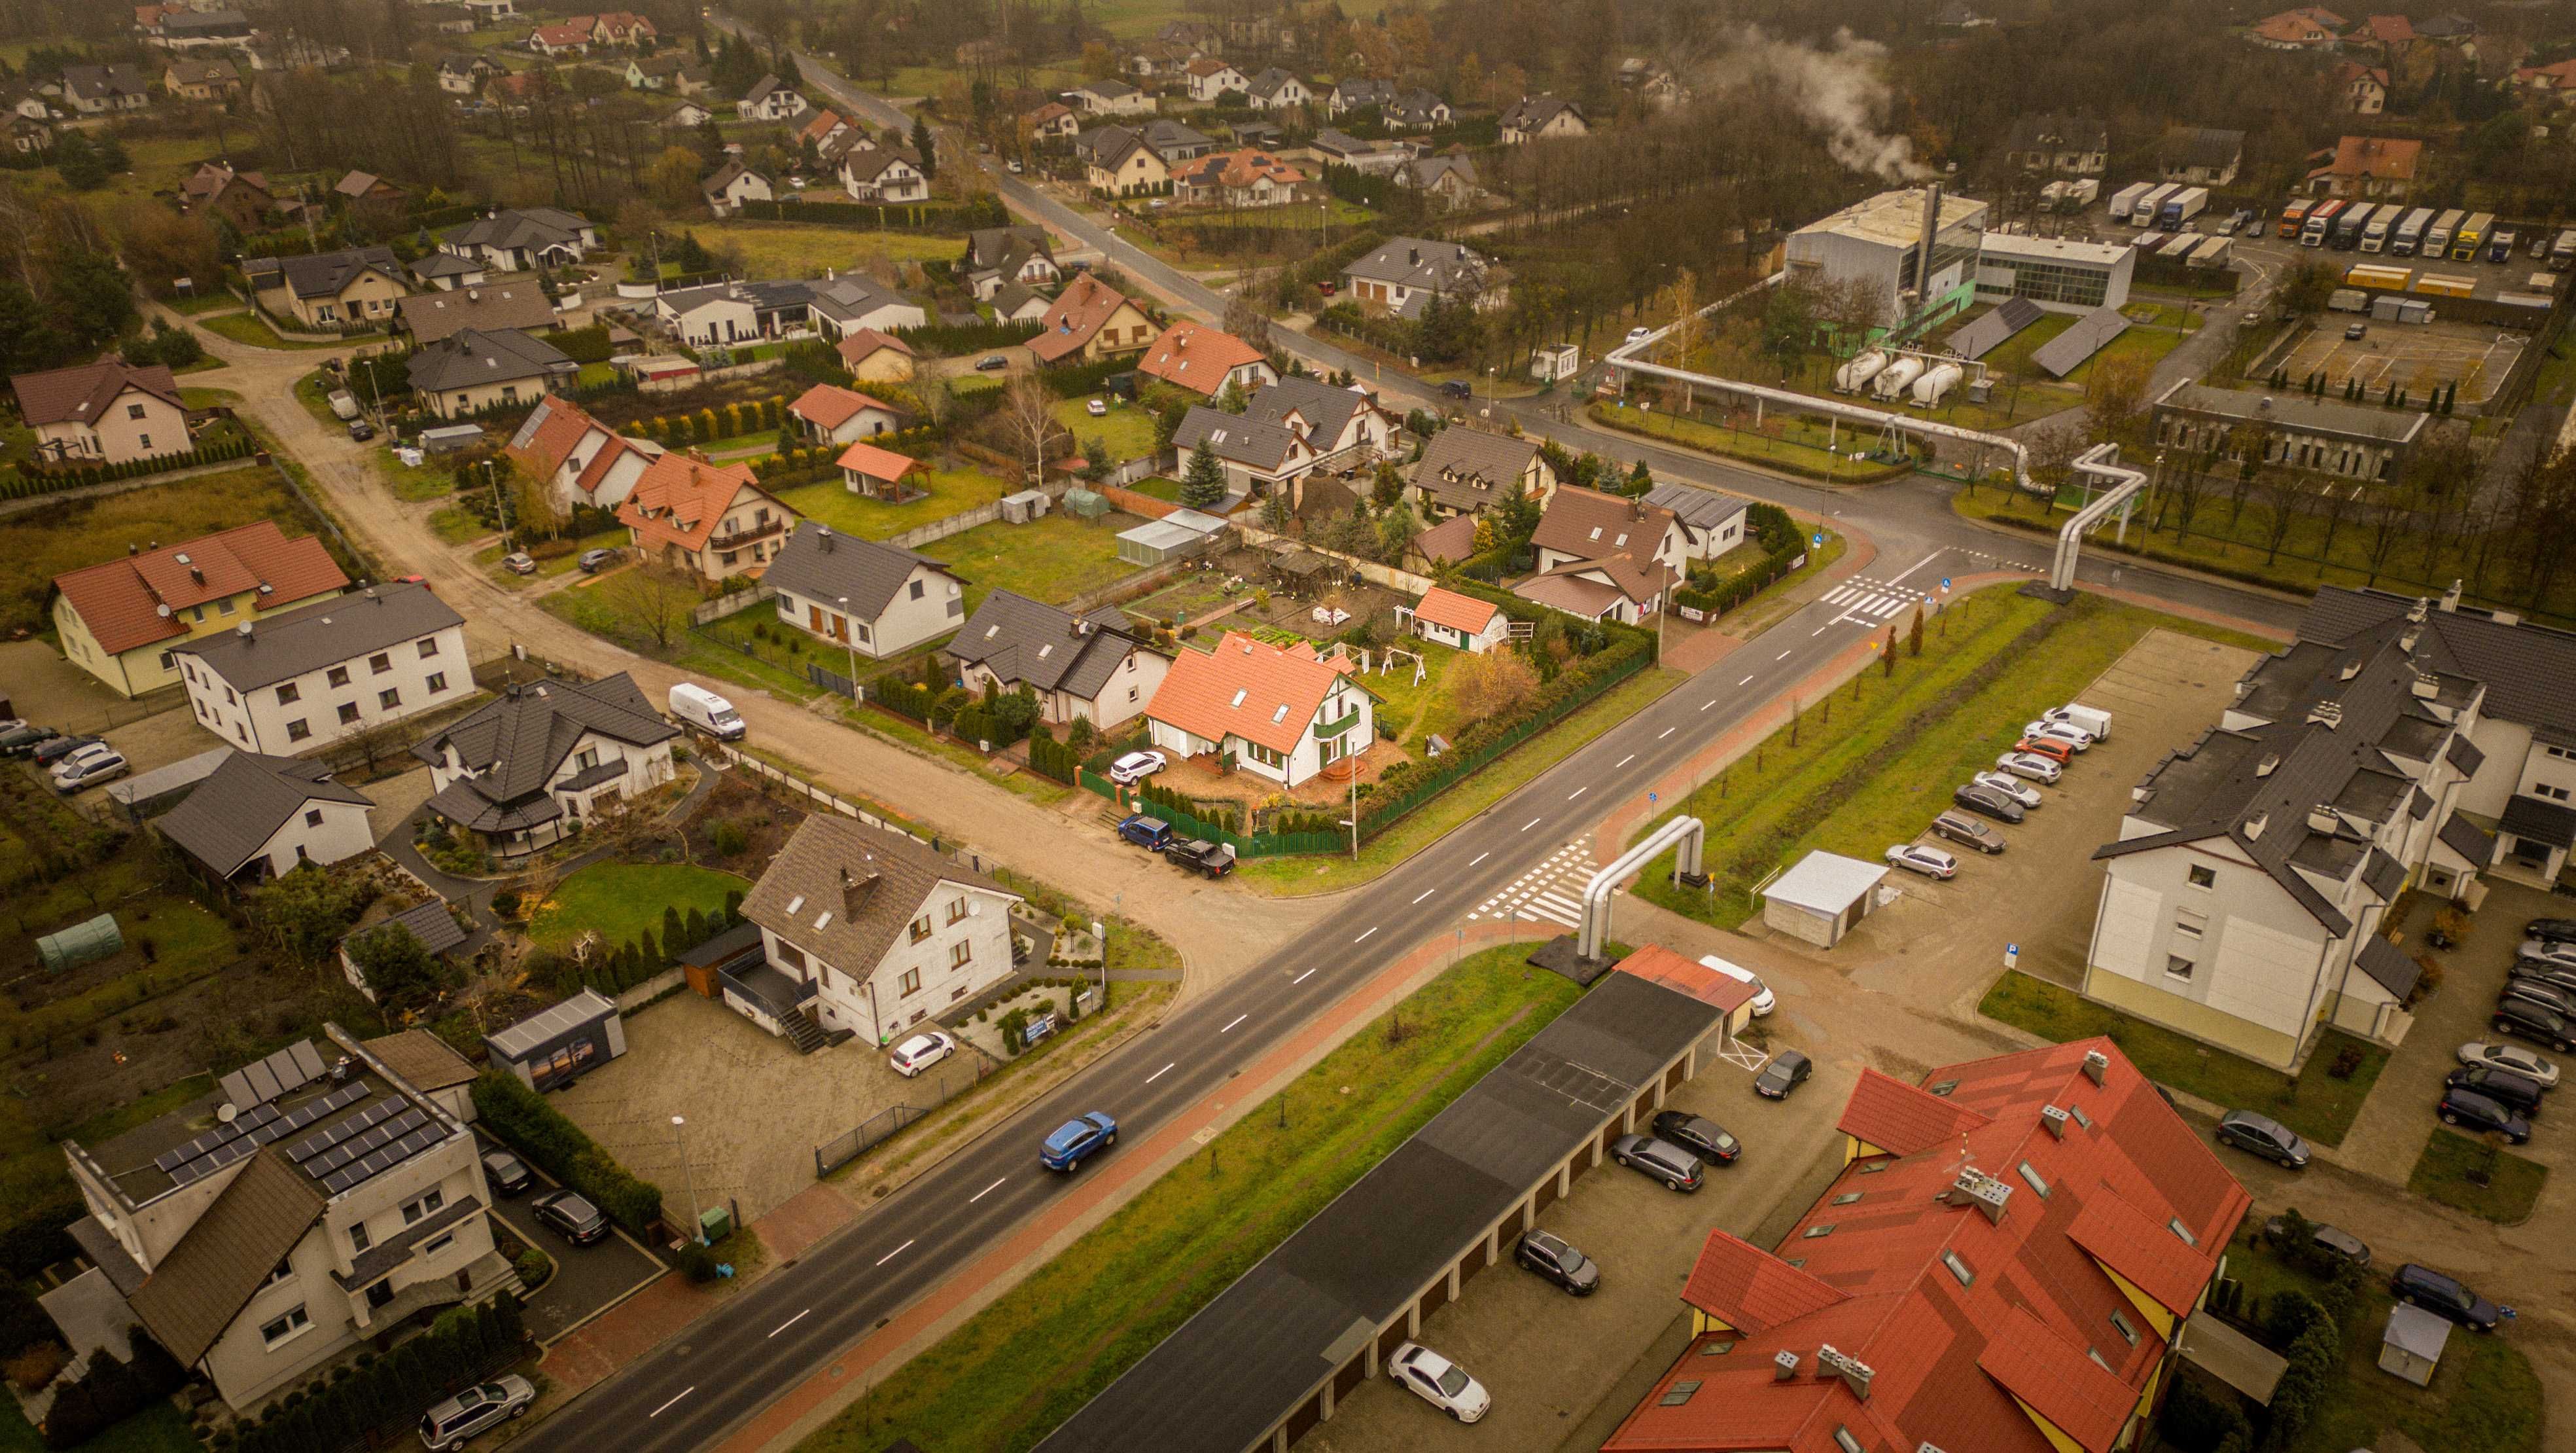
(737,312)
(870,931)
(1280,712)
(257,817)
(1258,457)
(1209,78)
(530,768)
(770,100)
(842,416)
(884,174)
(1082,668)
(110,411)
(1110,98)
(1586,524)
(1206,361)
(1712,523)
(583,461)
(842,306)
(1276,89)
(1342,428)
(303,679)
(875,599)
(733,184)
(522,239)
(1451,619)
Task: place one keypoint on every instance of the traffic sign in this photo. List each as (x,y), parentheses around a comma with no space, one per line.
(1820,539)
(2012,954)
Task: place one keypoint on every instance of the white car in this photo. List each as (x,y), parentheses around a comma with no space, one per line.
(1640,335)
(1135,767)
(2512,1059)
(85,768)
(1440,1382)
(2031,765)
(2058,731)
(921,1052)
(1930,862)
(2012,787)
(1764,1001)
(1097,408)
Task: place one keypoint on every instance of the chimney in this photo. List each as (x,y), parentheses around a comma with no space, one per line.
(2254,825)
(1855,1373)
(823,538)
(1976,1188)
(1931,231)
(2427,686)
(856,891)
(1413,256)
(2270,763)
(132,549)
(2451,597)
(1784,1365)
(2053,1120)
(2096,1065)
(197,575)
(2323,818)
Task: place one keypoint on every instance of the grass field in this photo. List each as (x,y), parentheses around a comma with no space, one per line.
(800,250)
(622,901)
(37,545)
(2513,1183)
(598,610)
(1022,1365)
(1853,783)
(249,328)
(952,492)
(1051,559)
(1126,429)
(1800,449)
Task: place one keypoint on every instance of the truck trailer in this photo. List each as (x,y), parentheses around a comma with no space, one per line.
(2437,233)
(2374,233)
(2181,207)
(2562,253)
(2295,216)
(2471,239)
(2320,224)
(2052,196)
(2348,224)
(2125,200)
(2410,232)
(2152,205)
(2213,252)
(2081,192)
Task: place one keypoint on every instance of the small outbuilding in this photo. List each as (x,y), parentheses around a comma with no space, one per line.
(2412,1345)
(1452,619)
(1822,897)
(1179,533)
(551,1047)
(1025,506)
(430,922)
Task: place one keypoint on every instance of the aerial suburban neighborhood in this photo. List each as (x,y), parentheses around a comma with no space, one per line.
(851,727)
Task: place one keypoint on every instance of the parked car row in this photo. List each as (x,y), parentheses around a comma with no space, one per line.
(2005,794)
(72,763)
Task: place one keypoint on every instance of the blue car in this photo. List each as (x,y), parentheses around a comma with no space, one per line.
(1075,1140)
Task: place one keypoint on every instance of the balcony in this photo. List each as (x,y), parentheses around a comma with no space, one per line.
(740,538)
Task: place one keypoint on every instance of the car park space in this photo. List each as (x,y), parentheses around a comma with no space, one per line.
(2417,357)
(588,1280)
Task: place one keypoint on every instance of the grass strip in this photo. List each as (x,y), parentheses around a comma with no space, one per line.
(2443,1174)
(247,328)
(1075,1324)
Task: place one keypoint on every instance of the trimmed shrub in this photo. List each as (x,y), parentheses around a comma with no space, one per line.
(560,1148)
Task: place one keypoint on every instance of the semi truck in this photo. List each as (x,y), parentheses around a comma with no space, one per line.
(2348,224)
(2151,205)
(2410,232)
(2320,224)
(2437,233)
(2125,200)
(2081,192)
(2500,246)
(2472,237)
(2181,207)
(2562,253)
(2374,233)
(2052,196)
(2295,216)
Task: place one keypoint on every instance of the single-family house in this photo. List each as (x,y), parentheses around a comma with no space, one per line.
(1712,523)
(878,600)
(1358,94)
(770,99)
(2072,144)
(655,72)
(1109,98)
(826,125)
(1404,275)
(998,255)
(474,369)
(1448,618)
(1015,303)
(214,80)
(103,90)
(2364,89)
(1204,360)
(1117,161)
(582,461)
(1275,90)
(1541,117)
(1259,458)
(1342,428)
(2292,30)
(365,191)
(622,28)
(687,116)
(189,29)
(440,314)
(1448,179)
(2378,168)
(1280,712)
(109,412)
(216,189)
(2200,156)
(873,356)
(1052,122)
(868,932)
(1587,538)
(352,287)
(736,312)
(1416,110)
(121,620)
(729,186)
(1465,471)
(1093,668)
(464,75)
(843,305)
(433,926)
(445,272)
(532,766)
(259,816)
(1209,78)
(884,174)
(522,239)
(713,521)
(1360,154)
(1245,178)
(1090,321)
(829,414)
(298,680)
(557,41)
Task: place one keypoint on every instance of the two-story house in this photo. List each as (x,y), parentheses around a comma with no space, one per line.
(257,817)
(475,369)
(1109,98)
(105,90)
(1711,523)
(202,80)
(771,99)
(122,620)
(1209,78)
(1205,361)
(1470,472)
(1083,668)
(1403,276)
(1090,321)
(109,412)
(884,174)
(870,932)
(876,599)
(298,680)
(1587,524)
(1342,428)
(1280,712)
(729,186)
(528,769)
(582,461)
(1275,90)
(998,255)
(1051,123)
(522,239)
(1535,118)
(714,521)
(330,290)
(1259,458)
(1120,161)
(1358,94)
(273,1226)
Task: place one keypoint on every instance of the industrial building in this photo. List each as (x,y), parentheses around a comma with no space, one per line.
(1895,242)
(2356,441)
(2061,276)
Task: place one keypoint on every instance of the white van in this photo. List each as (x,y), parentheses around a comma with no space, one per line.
(2092,722)
(1764,1001)
(698,707)
(344,403)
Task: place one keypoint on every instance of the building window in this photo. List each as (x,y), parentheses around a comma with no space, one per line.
(1846,1198)
(2554,794)
(348,713)
(1958,1268)
(313,818)
(2176,1227)
(790,955)
(289,694)
(170,662)
(427,646)
(1679,1393)
(359,1240)
(437,682)
(2564,754)
(916,590)
(911,981)
(297,731)
(588,759)
(283,1328)
(961,953)
(339,676)
(921,928)
(134,411)
(1813,1232)
(2031,1177)
(424,1206)
(1276,761)
(2203,876)
(439,1245)
(381,662)
(2187,924)
(2177,967)
(389,698)
(2121,1324)
(278,1273)
(956,908)
(229,698)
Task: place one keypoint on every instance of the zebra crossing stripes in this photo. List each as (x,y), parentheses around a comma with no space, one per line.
(1868,600)
(1551,892)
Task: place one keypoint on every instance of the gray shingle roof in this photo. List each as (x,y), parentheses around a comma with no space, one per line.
(1234,438)
(2529,671)
(243,803)
(430,922)
(2386,963)
(1327,410)
(521,227)
(1024,641)
(206,1280)
(2469,840)
(2553,823)
(862,884)
(1700,510)
(444,313)
(290,643)
(515,746)
(1469,470)
(1421,263)
(473,357)
(824,564)
(324,274)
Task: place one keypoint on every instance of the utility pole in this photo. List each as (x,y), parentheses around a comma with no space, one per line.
(697,1225)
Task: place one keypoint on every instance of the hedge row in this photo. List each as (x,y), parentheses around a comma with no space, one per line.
(1781,542)
(942,339)
(1085,378)
(583,345)
(112,1391)
(464,1344)
(1051,758)
(520,1116)
(871,216)
(19,483)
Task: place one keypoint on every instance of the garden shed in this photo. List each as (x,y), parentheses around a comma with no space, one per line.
(1821,898)
(1027,505)
(2412,1345)
(451,437)
(551,1047)
(1179,533)
(1086,504)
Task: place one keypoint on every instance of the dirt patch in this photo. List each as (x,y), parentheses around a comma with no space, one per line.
(765,822)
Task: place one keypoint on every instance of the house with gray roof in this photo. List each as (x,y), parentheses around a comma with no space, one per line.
(2293,431)
(1712,522)
(868,933)
(1416,110)
(2200,156)
(257,817)
(530,768)
(1358,94)
(522,239)
(300,680)
(1258,457)
(1093,667)
(1534,118)
(841,306)
(432,925)
(1403,276)
(1343,427)
(1276,89)
(861,595)
(996,256)
(329,289)
(476,368)
(1450,177)
(1466,471)
(2242,902)
(443,313)
(102,90)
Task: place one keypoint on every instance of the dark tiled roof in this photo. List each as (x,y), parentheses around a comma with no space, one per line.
(516,744)
(324,274)
(81,394)
(472,358)
(206,1280)
(2529,671)
(1700,510)
(288,644)
(2545,822)
(1023,641)
(1236,438)
(1469,470)
(433,316)
(823,564)
(437,930)
(861,884)
(244,801)
(2468,840)
(2389,966)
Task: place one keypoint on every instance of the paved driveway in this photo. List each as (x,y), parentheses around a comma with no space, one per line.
(588,1280)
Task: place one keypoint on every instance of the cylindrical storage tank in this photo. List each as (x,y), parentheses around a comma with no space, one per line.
(1892,380)
(1863,367)
(1936,381)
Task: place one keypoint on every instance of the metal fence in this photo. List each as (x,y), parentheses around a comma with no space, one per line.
(848,1146)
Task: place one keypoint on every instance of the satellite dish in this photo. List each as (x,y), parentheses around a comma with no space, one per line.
(227,1112)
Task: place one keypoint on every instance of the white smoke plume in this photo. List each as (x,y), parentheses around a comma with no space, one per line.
(1839,87)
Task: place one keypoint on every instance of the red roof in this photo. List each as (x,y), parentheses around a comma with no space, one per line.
(2387,157)
(562,35)
(679,500)
(862,342)
(1972,1328)
(1895,1116)
(557,434)
(2389,29)
(867,459)
(821,127)
(121,601)
(829,406)
(1457,612)
(1196,357)
(1076,315)
(82,394)
(1450,540)
(1246,688)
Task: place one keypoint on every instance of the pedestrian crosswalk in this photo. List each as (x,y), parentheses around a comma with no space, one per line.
(1866,601)
(1551,892)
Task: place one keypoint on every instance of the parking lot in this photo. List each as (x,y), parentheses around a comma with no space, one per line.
(588,1280)
(2417,357)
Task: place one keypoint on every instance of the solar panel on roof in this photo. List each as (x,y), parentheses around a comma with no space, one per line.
(170,1160)
(2067,351)
(262,1081)
(365,1120)
(373,1139)
(383,1159)
(237,1090)
(214,1160)
(307,1059)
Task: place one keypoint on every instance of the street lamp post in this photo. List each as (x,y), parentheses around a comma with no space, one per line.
(697,1226)
(849,643)
(1100,933)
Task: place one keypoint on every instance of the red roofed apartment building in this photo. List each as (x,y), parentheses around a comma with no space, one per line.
(583,461)
(711,519)
(119,621)
(1090,321)
(2002,1266)
(1280,712)
(1203,360)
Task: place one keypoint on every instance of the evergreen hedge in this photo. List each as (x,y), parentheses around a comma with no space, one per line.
(21,482)
(463,1345)
(521,1116)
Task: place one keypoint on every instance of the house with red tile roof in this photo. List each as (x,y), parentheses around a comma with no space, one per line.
(557,40)
(1589,542)
(1090,321)
(103,413)
(120,620)
(1281,712)
(831,414)
(2387,30)
(2369,167)
(2364,88)
(2006,1263)
(878,473)
(1452,619)
(2294,30)
(712,520)
(582,461)
(618,27)
(1246,178)
(2556,76)
(1204,360)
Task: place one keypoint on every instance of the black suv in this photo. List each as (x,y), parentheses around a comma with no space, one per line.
(1988,801)
(571,1216)
(1658,1159)
(2524,1019)
(2515,1093)
(2468,1107)
(1550,1257)
(2555,930)
(1701,1137)
(2424,1287)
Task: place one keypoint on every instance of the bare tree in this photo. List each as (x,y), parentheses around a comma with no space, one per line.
(1028,417)
(658,601)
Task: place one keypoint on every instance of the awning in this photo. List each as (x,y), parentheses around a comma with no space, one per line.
(2533,820)
(2230,1356)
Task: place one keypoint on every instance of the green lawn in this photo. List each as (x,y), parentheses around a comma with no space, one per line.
(1052,559)
(1159,487)
(1126,429)
(551,565)
(251,329)
(1025,1363)
(800,250)
(951,492)
(2316,1104)
(600,610)
(38,544)
(455,526)
(1801,449)
(2442,1174)
(622,901)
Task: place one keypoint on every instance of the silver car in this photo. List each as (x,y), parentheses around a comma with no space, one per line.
(2012,787)
(470,1412)
(2031,765)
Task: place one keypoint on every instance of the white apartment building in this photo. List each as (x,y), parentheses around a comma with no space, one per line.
(302,679)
